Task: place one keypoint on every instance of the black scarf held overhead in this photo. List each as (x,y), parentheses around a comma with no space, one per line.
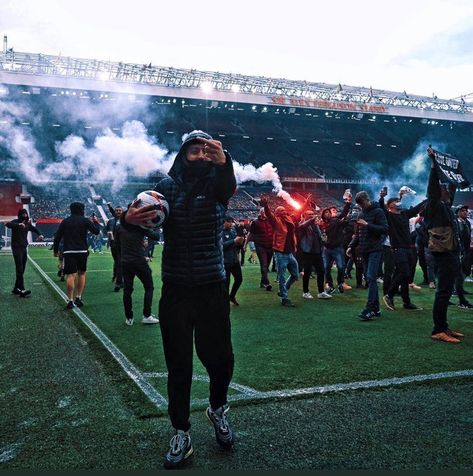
(449,169)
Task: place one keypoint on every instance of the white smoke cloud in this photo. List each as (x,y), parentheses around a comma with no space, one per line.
(113,156)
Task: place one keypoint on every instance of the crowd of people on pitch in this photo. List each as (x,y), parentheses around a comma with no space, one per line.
(204,248)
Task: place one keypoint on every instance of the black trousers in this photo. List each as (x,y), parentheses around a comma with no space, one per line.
(142,271)
(447,267)
(403,261)
(264,258)
(117,265)
(313,260)
(20,256)
(201,313)
(235,271)
(388,256)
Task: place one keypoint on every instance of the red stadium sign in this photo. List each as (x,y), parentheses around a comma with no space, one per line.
(320,104)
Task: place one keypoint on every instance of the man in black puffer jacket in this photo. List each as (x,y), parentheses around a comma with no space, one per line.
(371,232)
(194,296)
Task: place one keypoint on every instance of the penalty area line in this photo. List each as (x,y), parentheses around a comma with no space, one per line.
(138,378)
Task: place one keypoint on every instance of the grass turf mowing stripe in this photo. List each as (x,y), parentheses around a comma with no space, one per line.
(155,397)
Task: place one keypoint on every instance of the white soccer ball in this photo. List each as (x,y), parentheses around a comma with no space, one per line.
(161,205)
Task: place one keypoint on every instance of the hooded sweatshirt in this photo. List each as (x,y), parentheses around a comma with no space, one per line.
(73,230)
(19,234)
(198,197)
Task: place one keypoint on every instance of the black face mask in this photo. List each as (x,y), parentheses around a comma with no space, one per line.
(198,168)
(23,217)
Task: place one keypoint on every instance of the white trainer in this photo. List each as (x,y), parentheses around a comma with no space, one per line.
(324,295)
(129,322)
(307,296)
(150,320)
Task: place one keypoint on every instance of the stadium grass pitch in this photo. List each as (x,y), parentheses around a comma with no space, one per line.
(320,342)
(69,405)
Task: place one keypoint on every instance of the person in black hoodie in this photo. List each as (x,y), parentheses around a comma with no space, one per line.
(371,231)
(333,250)
(401,247)
(19,245)
(232,243)
(444,242)
(194,299)
(311,246)
(73,230)
(130,240)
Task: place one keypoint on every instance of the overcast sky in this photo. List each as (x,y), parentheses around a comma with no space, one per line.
(421,46)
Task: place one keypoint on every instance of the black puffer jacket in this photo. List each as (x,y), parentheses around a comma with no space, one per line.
(371,237)
(193,250)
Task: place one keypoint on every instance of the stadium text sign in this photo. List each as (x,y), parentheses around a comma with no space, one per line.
(320,104)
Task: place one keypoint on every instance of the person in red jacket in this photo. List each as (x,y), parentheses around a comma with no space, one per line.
(284,246)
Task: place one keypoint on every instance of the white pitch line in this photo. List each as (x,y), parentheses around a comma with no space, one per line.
(248,393)
(155,397)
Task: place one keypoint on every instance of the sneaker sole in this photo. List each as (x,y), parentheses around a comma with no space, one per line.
(172,465)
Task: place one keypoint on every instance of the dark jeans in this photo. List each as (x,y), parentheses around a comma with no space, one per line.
(203,312)
(423,261)
(286,262)
(310,260)
(331,255)
(117,265)
(370,267)
(20,256)
(142,271)
(402,274)
(447,266)
(235,271)
(264,258)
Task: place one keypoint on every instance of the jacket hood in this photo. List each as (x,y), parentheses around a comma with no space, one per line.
(179,166)
(22,212)
(77,208)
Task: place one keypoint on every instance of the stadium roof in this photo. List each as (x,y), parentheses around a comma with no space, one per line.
(40,70)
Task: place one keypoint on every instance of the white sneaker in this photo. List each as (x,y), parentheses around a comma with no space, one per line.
(129,322)
(307,296)
(380,280)
(414,286)
(324,295)
(150,320)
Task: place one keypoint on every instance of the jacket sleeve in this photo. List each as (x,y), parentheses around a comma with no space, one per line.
(92,227)
(225,183)
(380,224)
(58,237)
(153,235)
(345,211)
(34,229)
(12,224)
(111,210)
(413,211)
(433,188)
(355,240)
(269,215)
